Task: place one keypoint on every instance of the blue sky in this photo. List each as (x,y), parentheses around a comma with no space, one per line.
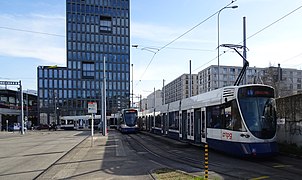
(155,24)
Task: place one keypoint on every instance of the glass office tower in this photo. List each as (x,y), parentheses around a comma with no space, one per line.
(97,30)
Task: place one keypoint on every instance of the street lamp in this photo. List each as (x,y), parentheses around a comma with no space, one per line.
(218,44)
(150,49)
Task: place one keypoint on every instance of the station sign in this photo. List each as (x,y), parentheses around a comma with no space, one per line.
(9,83)
(92,107)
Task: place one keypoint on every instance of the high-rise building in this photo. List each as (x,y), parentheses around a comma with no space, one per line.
(97,31)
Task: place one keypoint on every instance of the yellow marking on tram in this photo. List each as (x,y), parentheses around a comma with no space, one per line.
(261,177)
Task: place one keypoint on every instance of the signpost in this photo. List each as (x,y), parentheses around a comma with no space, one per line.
(92,109)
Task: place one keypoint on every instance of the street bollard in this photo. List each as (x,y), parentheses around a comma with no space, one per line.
(206,163)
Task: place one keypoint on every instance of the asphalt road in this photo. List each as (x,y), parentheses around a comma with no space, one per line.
(70,155)
(26,156)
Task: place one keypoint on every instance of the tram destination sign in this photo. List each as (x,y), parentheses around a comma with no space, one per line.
(9,83)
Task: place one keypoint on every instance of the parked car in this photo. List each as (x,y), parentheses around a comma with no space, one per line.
(15,127)
(42,126)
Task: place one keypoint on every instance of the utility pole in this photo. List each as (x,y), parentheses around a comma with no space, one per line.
(154,108)
(190,88)
(140,103)
(132,104)
(104,99)
(164,91)
(22,111)
(244,48)
(27,105)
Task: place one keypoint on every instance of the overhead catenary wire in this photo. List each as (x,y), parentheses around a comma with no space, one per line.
(256,33)
(171,42)
(273,22)
(191,29)
(30,31)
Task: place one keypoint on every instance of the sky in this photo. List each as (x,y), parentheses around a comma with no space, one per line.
(273,31)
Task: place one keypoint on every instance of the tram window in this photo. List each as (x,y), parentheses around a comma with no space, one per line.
(173,120)
(158,121)
(213,117)
(232,117)
(225,116)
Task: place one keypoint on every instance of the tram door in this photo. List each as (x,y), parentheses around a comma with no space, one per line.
(180,125)
(165,123)
(190,124)
(203,125)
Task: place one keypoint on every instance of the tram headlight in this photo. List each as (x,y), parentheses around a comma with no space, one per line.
(254,151)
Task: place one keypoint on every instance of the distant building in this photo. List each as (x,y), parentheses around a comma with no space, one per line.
(10,108)
(180,88)
(285,81)
(208,78)
(143,104)
(97,31)
(154,98)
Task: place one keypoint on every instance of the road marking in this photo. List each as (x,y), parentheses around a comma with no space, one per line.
(261,177)
(281,166)
(119,151)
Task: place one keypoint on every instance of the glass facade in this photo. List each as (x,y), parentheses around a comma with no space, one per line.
(96,30)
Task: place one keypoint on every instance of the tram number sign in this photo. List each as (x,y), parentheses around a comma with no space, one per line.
(9,83)
(227,135)
(92,108)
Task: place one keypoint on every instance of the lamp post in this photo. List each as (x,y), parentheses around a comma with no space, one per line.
(218,44)
(150,49)
(132,87)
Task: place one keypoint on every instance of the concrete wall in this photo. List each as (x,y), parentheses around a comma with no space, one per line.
(290,132)
(289,111)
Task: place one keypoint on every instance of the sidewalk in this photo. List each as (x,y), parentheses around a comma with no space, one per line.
(107,158)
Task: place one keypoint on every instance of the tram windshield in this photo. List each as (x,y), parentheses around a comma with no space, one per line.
(259,110)
(130,117)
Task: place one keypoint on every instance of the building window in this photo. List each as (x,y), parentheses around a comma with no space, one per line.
(105,24)
(232,70)
(88,70)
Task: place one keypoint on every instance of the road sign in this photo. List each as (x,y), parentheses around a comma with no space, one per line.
(92,107)
(9,83)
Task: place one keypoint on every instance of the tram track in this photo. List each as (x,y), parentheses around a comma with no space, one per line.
(165,153)
(190,158)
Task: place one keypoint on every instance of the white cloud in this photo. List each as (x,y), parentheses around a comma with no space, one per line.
(48,48)
(153,33)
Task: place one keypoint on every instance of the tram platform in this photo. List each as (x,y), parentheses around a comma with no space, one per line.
(106,157)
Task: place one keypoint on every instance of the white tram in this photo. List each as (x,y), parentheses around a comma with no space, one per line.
(127,121)
(238,120)
(79,122)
